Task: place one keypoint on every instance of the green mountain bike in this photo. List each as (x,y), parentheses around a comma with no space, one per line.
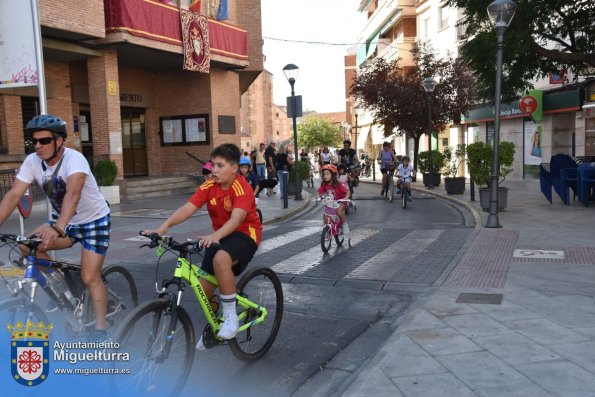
(159,334)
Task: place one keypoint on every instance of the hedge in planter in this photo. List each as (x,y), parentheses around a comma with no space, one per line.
(453,183)
(105,172)
(423,165)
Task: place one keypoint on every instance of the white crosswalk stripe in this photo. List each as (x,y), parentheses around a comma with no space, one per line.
(401,251)
(287,238)
(312,257)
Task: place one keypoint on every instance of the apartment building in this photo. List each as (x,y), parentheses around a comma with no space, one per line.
(113,71)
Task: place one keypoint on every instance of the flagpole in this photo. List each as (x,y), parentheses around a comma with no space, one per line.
(43,108)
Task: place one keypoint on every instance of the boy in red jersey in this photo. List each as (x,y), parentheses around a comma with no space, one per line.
(236,227)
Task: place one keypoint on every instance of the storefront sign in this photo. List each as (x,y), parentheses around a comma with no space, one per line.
(18,64)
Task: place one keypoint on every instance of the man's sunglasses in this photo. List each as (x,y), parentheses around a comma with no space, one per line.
(43,141)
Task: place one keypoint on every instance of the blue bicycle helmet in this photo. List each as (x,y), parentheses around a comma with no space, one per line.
(245,161)
(47,122)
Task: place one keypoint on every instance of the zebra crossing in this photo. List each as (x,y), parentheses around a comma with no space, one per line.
(376,254)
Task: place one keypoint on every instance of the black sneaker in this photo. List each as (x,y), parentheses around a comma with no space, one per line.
(382,192)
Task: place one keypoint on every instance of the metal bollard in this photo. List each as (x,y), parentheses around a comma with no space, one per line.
(472,189)
(285,176)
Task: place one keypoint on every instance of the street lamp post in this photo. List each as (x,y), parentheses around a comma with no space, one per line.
(291,72)
(500,13)
(356,115)
(429,84)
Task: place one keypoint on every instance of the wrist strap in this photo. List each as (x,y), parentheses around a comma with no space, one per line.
(60,231)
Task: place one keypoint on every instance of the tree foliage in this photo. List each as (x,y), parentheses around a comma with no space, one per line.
(396,98)
(544,36)
(314,132)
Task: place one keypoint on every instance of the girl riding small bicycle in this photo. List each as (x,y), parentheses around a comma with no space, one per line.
(330,184)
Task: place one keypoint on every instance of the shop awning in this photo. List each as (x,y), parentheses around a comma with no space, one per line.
(362,136)
(378,134)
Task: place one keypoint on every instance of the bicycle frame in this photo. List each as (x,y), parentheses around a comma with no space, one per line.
(333,222)
(192,274)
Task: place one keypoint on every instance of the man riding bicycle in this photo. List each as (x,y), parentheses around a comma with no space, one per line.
(405,173)
(387,164)
(81,214)
(348,156)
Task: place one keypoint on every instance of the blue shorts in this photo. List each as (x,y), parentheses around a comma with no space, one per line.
(93,236)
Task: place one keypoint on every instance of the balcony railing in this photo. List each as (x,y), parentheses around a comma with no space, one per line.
(157,21)
(461,29)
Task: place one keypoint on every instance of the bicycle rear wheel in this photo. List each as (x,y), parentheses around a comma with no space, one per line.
(263,287)
(161,350)
(326,239)
(404,198)
(122,295)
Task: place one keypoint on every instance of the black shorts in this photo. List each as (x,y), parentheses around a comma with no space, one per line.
(238,245)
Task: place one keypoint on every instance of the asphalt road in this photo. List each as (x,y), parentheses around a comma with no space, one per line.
(339,307)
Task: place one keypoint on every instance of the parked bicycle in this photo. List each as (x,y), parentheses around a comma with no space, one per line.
(160,336)
(62,284)
(333,227)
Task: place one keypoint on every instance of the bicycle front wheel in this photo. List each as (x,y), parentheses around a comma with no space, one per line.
(391,189)
(326,239)
(262,287)
(404,198)
(161,349)
(15,310)
(122,295)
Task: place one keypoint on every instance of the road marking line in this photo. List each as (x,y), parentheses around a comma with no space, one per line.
(278,241)
(405,249)
(312,257)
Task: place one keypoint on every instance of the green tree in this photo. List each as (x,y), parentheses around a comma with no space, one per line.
(397,99)
(314,132)
(544,36)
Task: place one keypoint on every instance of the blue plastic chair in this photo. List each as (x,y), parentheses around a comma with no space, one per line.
(586,182)
(557,164)
(568,180)
(545,181)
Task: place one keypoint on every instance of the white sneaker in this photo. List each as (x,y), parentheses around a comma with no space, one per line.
(345,228)
(229,328)
(200,345)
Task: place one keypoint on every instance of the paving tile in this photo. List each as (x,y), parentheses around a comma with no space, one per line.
(581,353)
(544,331)
(477,324)
(561,378)
(434,385)
(423,320)
(372,383)
(484,371)
(443,341)
(405,358)
(444,305)
(506,311)
(586,331)
(515,349)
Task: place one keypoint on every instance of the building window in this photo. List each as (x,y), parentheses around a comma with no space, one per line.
(442,18)
(185,130)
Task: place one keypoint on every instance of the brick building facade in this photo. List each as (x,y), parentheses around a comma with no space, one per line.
(122,89)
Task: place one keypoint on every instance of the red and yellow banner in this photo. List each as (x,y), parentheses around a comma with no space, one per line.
(195,38)
(154,20)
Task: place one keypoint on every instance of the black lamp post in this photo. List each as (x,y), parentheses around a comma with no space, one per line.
(291,72)
(500,13)
(429,84)
(356,115)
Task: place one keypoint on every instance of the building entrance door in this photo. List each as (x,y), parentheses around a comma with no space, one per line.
(134,147)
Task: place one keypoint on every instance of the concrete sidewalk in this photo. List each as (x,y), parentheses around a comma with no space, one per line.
(514,316)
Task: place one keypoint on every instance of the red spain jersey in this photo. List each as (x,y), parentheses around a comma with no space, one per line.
(221,202)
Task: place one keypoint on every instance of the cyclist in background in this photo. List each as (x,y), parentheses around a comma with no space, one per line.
(405,172)
(81,214)
(385,157)
(236,227)
(330,184)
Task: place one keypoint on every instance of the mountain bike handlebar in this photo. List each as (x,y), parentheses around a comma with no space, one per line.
(31,242)
(187,246)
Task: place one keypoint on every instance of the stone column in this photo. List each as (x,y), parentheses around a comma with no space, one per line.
(104,100)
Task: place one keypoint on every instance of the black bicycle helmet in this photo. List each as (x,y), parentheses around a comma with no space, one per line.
(47,122)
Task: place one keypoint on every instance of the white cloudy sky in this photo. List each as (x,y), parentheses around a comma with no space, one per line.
(321,80)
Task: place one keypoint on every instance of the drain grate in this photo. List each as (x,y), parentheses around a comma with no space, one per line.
(482,299)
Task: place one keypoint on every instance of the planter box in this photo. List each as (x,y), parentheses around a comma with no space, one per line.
(484,198)
(111,193)
(455,185)
(435,179)
(291,187)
